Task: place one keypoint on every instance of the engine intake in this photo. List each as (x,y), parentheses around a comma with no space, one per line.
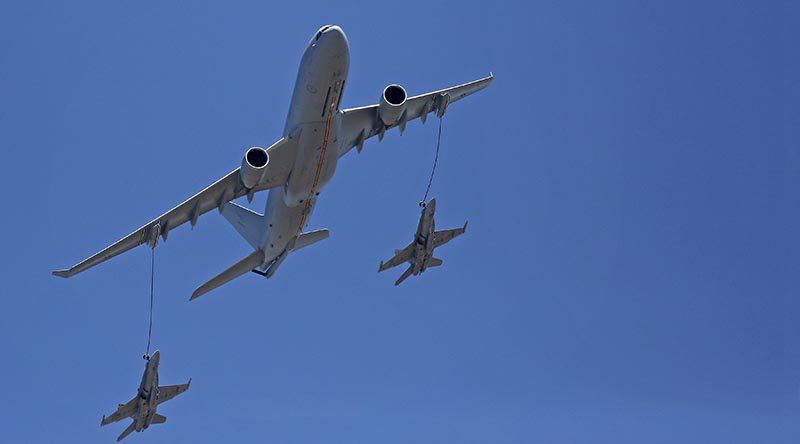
(253,167)
(392,105)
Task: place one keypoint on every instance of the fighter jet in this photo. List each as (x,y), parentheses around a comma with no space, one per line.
(142,408)
(296,167)
(419,253)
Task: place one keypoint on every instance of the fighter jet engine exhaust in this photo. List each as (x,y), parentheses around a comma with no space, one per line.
(253,167)
(393,103)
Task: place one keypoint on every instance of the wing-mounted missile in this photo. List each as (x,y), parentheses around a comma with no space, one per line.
(254,165)
(392,105)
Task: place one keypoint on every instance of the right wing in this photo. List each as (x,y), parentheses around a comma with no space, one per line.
(167,392)
(281,160)
(400,256)
(444,236)
(359,124)
(123,411)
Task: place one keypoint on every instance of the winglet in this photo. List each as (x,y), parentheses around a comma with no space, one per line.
(380,267)
(465,226)
(188,383)
(102,421)
(62,273)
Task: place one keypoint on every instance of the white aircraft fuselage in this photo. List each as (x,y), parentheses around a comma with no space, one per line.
(314,119)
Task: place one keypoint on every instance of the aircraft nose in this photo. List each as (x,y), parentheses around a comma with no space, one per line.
(330,35)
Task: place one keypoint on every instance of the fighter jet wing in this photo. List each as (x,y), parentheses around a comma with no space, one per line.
(281,160)
(400,256)
(167,392)
(123,411)
(444,236)
(359,124)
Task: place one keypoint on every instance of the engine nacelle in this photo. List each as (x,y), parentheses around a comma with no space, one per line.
(253,167)
(392,105)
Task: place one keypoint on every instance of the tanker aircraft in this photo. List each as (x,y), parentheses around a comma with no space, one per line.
(297,166)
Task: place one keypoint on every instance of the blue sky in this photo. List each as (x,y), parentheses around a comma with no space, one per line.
(630,272)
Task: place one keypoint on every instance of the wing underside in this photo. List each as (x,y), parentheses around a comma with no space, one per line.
(444,236)
(400,257)
(123,411)
(359,124)
(167,392)
(214,196)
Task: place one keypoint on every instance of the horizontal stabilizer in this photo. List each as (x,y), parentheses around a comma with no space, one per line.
(434,262)
(247,222)
(158,419)
(309,238)
(243,266)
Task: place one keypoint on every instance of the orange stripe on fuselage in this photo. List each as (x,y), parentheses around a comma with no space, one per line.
(321,161)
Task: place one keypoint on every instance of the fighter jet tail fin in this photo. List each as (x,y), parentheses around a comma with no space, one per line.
(158,419)
(248,223)
(405,275)
(434,262)
(127,431)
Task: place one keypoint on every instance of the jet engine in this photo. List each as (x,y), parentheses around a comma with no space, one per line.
(392,105)
(253,167)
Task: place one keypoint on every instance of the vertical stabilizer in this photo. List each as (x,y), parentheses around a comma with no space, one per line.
(405,275)
(247,222)
(127,431)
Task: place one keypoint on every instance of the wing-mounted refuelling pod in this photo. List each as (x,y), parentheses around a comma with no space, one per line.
(441,102)
(152,237)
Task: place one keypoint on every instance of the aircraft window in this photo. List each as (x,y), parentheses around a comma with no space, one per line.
(319,33)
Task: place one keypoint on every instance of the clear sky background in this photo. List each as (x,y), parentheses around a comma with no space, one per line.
(630,273)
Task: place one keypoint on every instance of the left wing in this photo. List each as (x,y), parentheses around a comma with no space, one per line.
(359,124)
(123,411)
(216,195)
(399,257)
(167,392)
(444,236)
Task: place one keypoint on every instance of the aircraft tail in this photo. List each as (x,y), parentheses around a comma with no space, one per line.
(127,431)
(311,237)
(158,419)
(247,222)
(252,261)
(405,275)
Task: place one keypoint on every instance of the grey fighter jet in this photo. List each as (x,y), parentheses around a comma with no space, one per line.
(142,408)
(419,253)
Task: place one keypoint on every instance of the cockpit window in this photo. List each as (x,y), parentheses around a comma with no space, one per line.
(319,33)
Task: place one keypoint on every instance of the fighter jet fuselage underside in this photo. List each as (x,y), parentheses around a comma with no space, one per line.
(297,167)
